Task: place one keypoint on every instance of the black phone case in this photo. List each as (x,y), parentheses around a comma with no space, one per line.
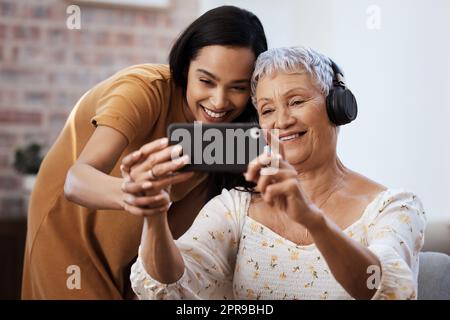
(239,144)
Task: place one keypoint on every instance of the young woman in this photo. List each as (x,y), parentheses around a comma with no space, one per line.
(78,245)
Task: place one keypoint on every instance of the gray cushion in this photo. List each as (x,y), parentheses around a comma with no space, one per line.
(434,276)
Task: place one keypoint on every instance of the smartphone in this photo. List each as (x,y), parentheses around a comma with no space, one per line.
(221,147)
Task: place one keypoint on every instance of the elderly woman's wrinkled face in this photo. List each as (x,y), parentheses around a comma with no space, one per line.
(294,104)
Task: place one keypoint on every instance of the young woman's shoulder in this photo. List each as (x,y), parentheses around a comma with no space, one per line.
(147,71)
(137,81)
(133,100)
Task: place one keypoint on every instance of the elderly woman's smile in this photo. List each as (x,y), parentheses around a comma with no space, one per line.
(289,137)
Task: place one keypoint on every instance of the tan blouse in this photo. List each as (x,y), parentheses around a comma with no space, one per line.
(140,102)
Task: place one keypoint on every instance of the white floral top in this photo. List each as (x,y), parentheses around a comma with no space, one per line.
(228,255)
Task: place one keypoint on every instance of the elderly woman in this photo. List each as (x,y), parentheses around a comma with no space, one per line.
(314,230)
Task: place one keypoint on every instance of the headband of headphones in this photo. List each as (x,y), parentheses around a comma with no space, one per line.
(338,77)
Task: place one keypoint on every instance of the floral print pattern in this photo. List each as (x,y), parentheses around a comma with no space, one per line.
(228,255)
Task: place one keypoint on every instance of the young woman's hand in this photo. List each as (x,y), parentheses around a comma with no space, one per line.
(148,174)
(281,188)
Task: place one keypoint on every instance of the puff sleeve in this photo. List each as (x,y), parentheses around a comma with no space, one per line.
(396,236)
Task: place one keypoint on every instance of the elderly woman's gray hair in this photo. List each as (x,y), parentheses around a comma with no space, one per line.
(293,60)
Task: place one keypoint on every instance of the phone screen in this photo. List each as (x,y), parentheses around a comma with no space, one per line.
(224,147)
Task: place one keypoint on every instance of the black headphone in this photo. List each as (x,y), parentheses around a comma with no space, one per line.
(341,103)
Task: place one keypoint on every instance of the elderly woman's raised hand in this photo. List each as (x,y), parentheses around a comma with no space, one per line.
(280,187)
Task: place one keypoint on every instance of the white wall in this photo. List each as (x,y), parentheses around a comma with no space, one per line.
(399,73)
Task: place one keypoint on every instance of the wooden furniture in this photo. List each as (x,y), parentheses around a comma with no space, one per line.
(12,245)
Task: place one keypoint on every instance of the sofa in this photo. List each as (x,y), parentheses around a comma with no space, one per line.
(434,276)
(434,262)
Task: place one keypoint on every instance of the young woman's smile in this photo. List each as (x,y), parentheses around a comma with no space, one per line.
(217,90)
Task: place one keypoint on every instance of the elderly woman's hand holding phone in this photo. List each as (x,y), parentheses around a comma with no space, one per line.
(280,187)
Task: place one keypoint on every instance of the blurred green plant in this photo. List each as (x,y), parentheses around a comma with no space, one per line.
(27,159)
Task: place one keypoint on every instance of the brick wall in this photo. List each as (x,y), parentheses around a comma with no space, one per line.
(45,67)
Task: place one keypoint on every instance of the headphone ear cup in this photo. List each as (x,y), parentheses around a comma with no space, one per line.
(342,107)
(330,106)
